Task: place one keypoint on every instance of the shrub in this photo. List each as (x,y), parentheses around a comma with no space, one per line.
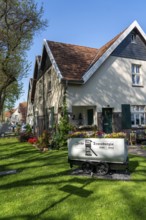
(61,135)
(44,140)
(24,136)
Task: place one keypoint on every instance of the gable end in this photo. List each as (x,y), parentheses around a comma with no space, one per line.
(132,48)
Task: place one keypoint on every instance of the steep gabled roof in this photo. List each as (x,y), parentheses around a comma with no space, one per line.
(78,63)
(22,104)
(9,113)
(72,60)
(108,48)
(22,108)
(35,75)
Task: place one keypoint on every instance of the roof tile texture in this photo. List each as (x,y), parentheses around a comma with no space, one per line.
(74,61)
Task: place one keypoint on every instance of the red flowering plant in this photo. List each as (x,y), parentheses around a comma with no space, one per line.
(99,134)
(32,140)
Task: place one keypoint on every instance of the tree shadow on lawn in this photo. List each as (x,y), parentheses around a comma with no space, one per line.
(71,190)
(42,180)
(9,144)
(35,217)
(135,164)
(32,181)
(135,203)
(19,153)
(31,159)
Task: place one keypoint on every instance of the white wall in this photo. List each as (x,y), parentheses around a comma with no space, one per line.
(52,98)
(30,113)
(110,85)
(16,116)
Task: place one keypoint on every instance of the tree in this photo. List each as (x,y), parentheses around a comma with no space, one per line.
(12,93)
(20,20)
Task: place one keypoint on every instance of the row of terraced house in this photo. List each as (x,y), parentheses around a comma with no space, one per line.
(105,87)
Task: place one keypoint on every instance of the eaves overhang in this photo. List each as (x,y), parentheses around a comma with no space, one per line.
(52,59)
(71,81)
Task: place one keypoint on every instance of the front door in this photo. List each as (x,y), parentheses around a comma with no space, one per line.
(90,116)
(107,120)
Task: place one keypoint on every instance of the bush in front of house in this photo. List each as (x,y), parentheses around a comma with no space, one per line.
(59,138)
(43,142)
(23,137)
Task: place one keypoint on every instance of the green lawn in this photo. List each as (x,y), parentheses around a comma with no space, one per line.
(44,189)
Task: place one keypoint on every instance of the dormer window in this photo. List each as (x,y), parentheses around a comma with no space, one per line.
(133,38)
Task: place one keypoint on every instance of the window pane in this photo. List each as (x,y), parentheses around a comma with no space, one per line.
(132,119)
(137,68)
(142,118)
(137,108)
(141,108)
(137,119)
(133,68)
(137,79)
(134,108)
(133,79)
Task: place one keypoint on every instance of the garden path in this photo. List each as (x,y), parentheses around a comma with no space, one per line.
(137,150)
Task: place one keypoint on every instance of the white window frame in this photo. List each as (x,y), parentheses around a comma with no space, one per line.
(51,117)
(138,115)
(49,81)
(133,38)
(49,86)
(136,75)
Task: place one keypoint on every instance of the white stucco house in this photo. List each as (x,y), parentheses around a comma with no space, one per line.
(30,117)
(17,115)
(105,87)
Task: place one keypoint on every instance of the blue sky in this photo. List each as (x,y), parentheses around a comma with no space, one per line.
(84,22)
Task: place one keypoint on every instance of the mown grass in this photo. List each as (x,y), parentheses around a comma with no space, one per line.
(43,188)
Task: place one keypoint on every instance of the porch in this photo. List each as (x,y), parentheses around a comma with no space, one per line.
(83,115)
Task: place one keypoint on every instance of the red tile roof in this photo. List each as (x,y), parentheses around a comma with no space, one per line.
(73,61)
(9,113)
(23,110)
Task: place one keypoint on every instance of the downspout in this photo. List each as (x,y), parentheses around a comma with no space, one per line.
(65,90)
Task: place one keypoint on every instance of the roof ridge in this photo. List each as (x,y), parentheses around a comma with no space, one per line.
(72,44)
(106,45)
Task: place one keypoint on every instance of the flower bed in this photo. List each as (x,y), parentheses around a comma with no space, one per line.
(32,140)
(96,134)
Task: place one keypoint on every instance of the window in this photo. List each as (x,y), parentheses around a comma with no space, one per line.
(138,115)
(49,86)
(40,88)
(49,81)
(136,75)
(51,117)
(133,38)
